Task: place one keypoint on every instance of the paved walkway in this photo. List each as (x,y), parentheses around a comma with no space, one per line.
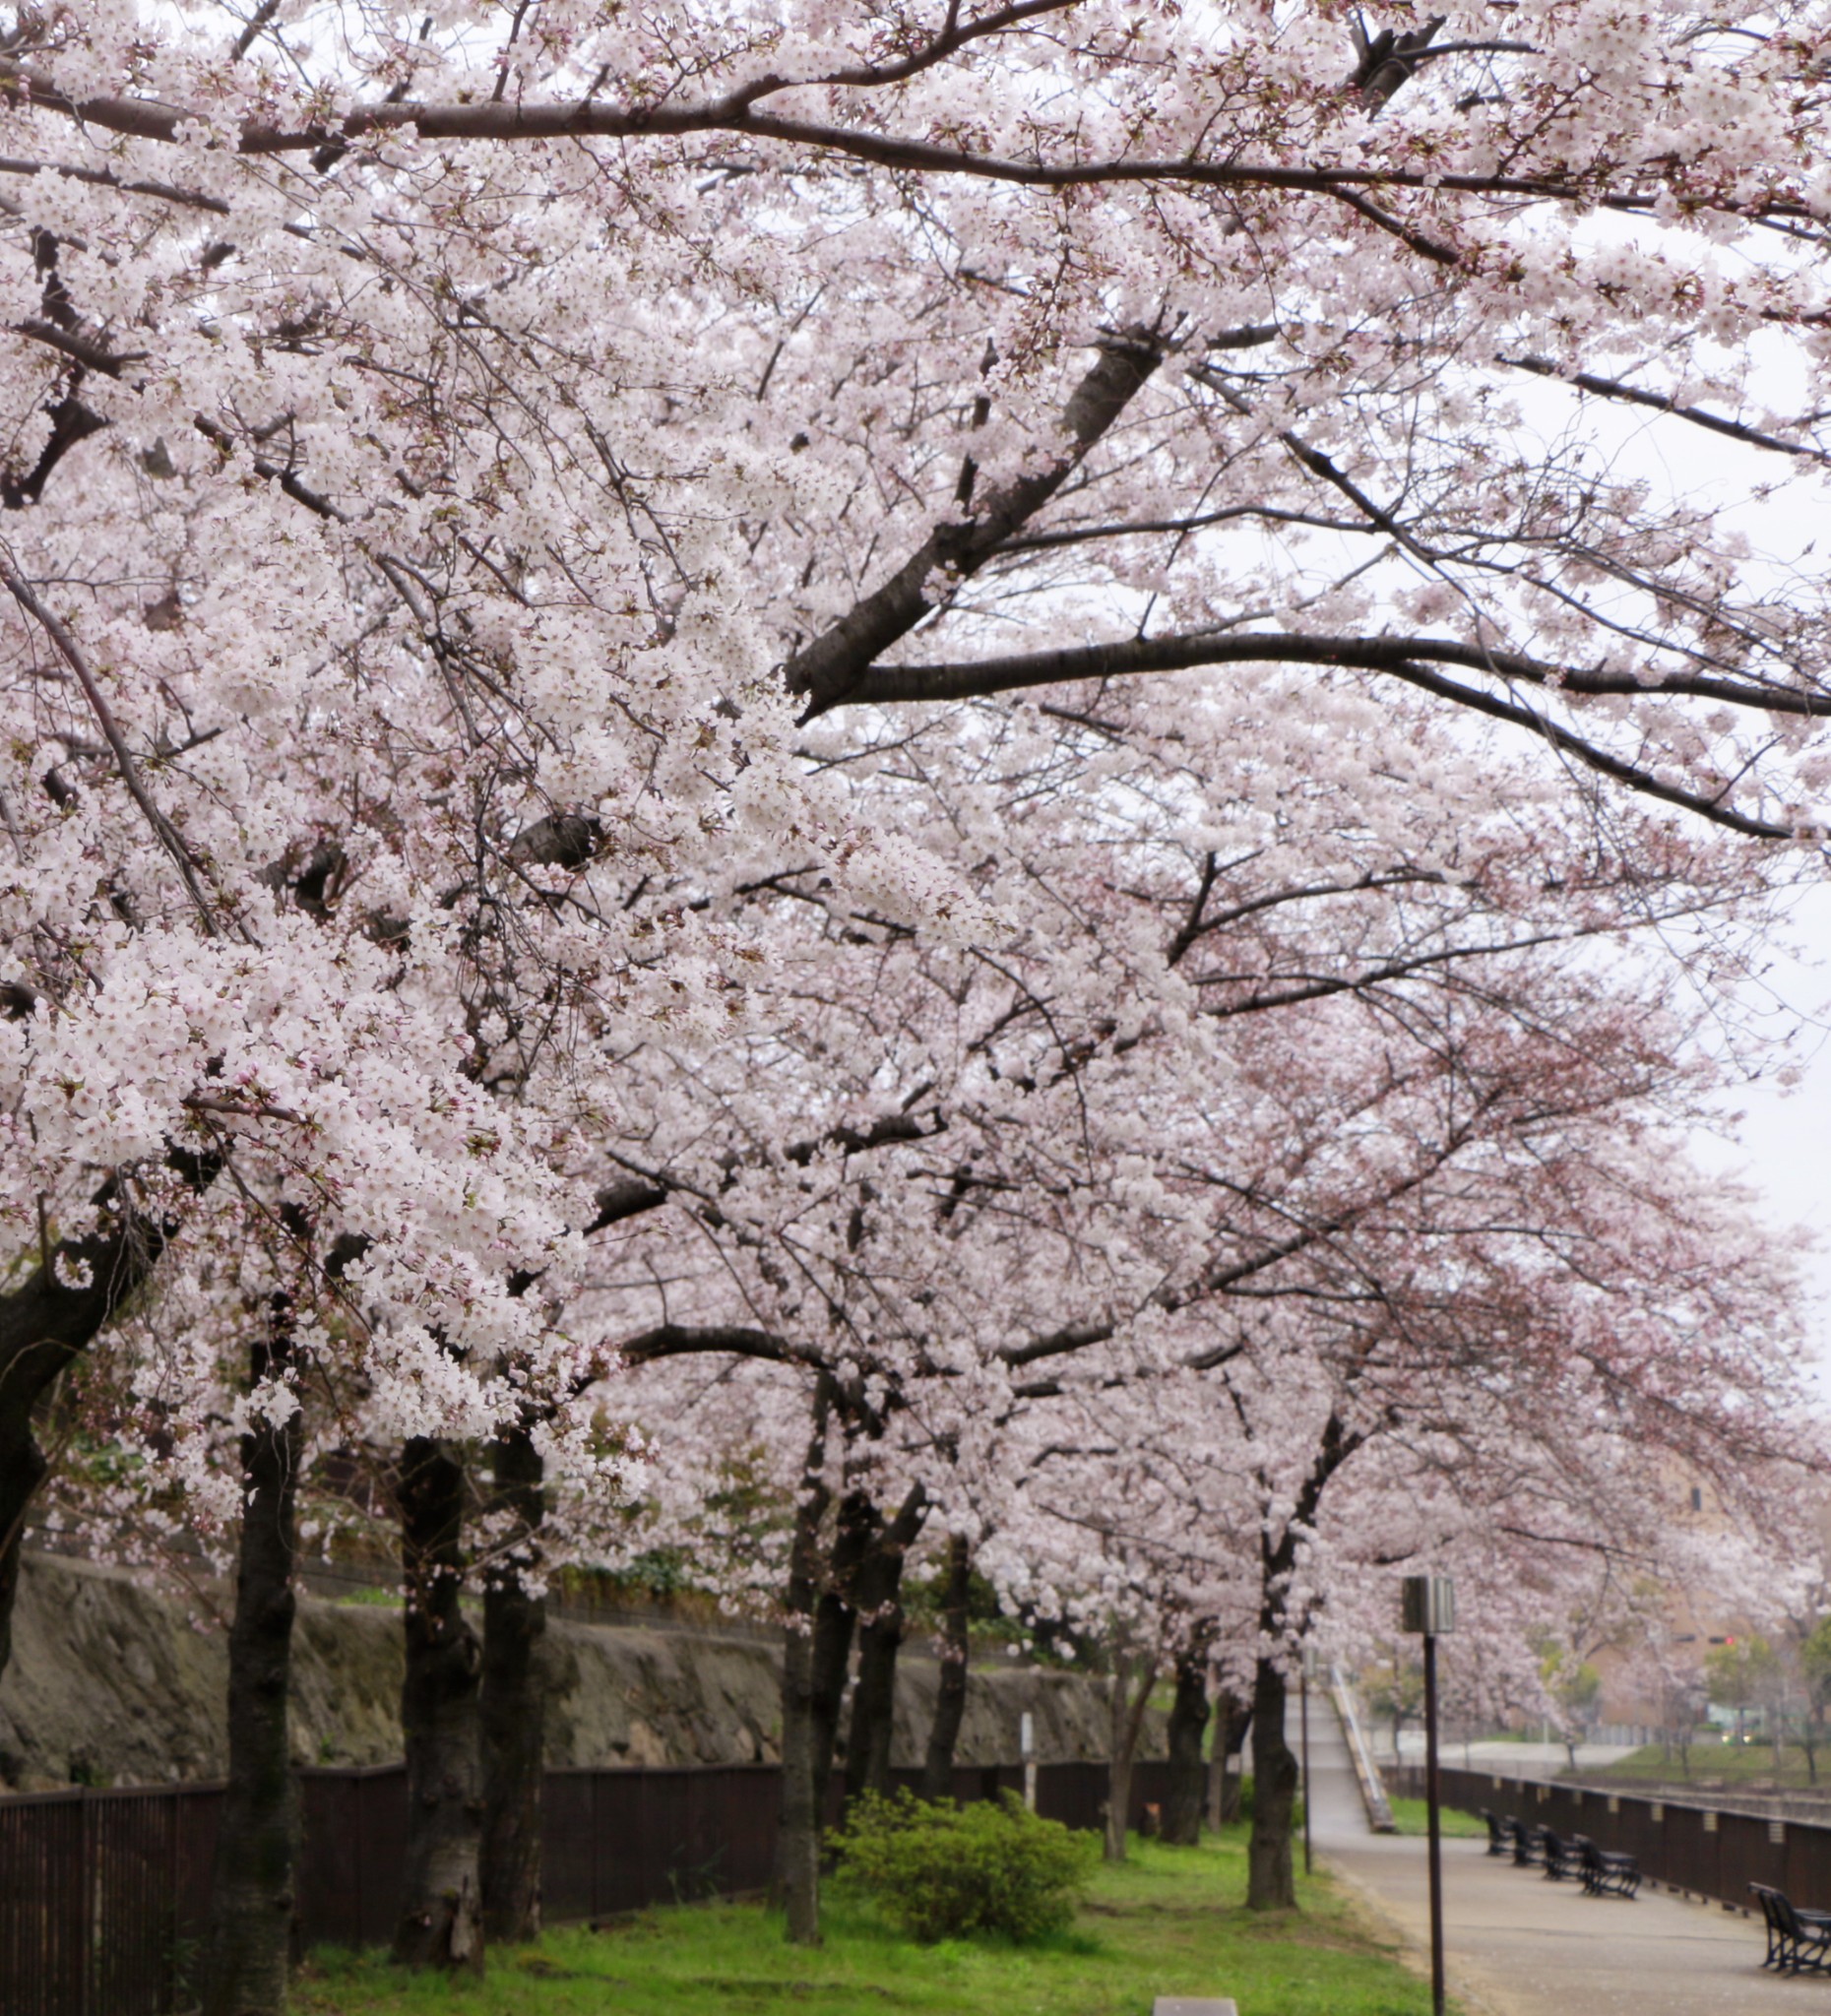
(1518,1945)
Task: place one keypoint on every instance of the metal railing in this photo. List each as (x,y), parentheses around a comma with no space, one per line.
(1361,1751)
(104,1894)
(1702,1849)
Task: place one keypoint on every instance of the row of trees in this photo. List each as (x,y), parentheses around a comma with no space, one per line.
(609,945)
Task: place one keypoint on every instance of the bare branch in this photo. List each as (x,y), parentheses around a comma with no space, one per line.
(71,653)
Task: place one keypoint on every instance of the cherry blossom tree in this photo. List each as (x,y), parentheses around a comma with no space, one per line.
(1238,1039)
(473,489)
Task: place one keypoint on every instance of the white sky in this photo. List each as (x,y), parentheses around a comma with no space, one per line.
(1784,1135)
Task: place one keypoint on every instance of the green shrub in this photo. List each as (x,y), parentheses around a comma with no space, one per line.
(940,1870)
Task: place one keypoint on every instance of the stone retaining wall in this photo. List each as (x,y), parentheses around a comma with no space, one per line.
(112,1683)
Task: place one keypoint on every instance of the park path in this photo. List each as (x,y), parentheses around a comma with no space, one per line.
(1518,1945)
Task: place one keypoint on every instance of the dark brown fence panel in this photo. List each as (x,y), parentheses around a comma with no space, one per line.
(103,1900)
(43,1905)
(568,1875)
(104,1895)
(352,1834)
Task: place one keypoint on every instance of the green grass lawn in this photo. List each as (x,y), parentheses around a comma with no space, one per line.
(1409,1816)
(1717,1764)
(1168,1923)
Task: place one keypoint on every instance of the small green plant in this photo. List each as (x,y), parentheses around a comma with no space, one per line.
(940,1870)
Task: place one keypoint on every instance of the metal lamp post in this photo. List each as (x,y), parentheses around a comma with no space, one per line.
(1429,1608)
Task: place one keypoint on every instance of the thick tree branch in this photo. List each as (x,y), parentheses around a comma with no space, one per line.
(77,1290)
(973,679)
(829,671)
(737,113)
(650,1190)
(1402,658)
(733,1339)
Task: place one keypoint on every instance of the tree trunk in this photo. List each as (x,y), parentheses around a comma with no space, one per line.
(250,1926)
(513,1705)
(1134,1675)
(878,1591)
(53,1316)
(950,1707)
(836,1617)
(1270,1882)
(797,1844)
(1188,1721)
(873,1700)
(1233,1720)
(441,1922)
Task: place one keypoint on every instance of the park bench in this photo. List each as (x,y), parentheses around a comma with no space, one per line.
(1528,1844)
(1796,1939)
(1560,1852)
(1500,1832)
(1605,1871)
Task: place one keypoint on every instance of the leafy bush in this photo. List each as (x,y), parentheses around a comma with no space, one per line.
(940,1869)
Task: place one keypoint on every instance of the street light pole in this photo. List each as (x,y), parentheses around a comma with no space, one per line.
(1433,1824)
(1430,1608)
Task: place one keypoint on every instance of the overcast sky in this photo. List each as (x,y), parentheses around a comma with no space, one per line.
(1786,1136)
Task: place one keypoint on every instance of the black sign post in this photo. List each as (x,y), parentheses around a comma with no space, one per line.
(1429,1610)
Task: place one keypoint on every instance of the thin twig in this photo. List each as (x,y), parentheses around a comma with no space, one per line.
(71,653)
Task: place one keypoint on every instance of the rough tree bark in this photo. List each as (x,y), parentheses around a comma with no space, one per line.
(950,1706)
(249,1935)
(513,1698)
(1271,1884)
(441,1922)
(1188,1721)
(835,1618)
(831,666)
(798,1851)
(879,1596)
(47,1322)
(873,1701)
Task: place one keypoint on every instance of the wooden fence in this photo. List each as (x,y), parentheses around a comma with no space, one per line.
(104,1895)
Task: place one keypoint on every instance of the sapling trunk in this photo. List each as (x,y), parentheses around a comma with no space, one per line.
(247,1945)
(950,1703)
(1239,1721)
(1134,1675)
(441,1922)
(512,1702)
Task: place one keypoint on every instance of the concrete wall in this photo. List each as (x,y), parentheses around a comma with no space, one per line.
(111,1683)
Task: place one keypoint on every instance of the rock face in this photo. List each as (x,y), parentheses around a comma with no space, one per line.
(111,1683)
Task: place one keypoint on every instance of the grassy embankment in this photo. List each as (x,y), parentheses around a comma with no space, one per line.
(1168,1923)
(1721,1765)
(1409,1816)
